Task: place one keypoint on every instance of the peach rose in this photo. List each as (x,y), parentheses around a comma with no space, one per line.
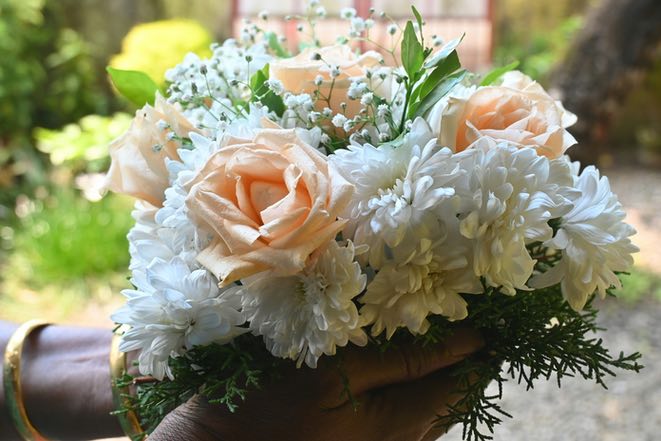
(518,111)
(268,202)
(298,73)
(138,157)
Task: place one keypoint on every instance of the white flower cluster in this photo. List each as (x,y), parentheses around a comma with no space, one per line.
(311,213)
(309,314)
(593,241)
(165,238)
(208,88)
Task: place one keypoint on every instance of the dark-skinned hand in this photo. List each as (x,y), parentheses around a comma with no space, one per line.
(401,392)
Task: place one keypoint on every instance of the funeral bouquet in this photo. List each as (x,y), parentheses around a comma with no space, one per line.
(290,205)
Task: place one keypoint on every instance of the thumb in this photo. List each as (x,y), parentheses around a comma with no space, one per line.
(368,368)
(186,423)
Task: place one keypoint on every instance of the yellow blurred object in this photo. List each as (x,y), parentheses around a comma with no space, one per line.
(155,47)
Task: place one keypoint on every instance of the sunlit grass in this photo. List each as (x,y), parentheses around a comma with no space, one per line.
(639,284)
(67,238)
(66,254)
(84,302)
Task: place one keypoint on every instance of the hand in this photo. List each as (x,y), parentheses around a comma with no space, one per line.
(400,393)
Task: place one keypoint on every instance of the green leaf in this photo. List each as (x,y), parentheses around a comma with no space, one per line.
(133,85)
(275,45)
(418,17)
(261,92)
(443,69)
(449,65)
(444,52)
(274,102)
(258,79)
(439,92)
(497,73)
(412,52)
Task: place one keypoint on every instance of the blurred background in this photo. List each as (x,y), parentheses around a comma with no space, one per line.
(63,250)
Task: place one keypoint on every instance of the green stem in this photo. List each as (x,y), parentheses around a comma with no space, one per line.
(406,105)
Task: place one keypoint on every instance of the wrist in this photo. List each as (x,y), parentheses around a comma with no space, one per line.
(69,366)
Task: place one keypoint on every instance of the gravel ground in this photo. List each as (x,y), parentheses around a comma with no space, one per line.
(630,410)
(639,190)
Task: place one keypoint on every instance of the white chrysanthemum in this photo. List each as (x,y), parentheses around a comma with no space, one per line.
(394,187)
(513,193)
(177,231)
(594,242)
(164,233)
(428,280)
(304,316)
(173,309)
(144,243)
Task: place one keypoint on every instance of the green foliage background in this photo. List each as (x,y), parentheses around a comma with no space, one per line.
(537,34)
(58,250)
(47,79)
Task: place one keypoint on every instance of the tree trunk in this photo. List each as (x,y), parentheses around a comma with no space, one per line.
(618,40)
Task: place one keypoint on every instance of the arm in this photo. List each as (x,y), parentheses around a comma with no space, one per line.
(66,383)
(67,394)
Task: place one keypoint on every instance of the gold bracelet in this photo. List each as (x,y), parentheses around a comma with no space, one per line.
(11,377)
(127,417)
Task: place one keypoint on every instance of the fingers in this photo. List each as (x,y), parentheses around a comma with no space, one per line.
(414,407)
(434,434)
(186,423)
(368,368)
(437,430)
(407,411)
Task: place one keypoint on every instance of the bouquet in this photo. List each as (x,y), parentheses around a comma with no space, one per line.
(289,205)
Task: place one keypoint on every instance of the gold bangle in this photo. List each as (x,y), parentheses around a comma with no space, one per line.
(11,377)
(127,417)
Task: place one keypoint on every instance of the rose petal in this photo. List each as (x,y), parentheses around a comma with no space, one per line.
(138,166)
